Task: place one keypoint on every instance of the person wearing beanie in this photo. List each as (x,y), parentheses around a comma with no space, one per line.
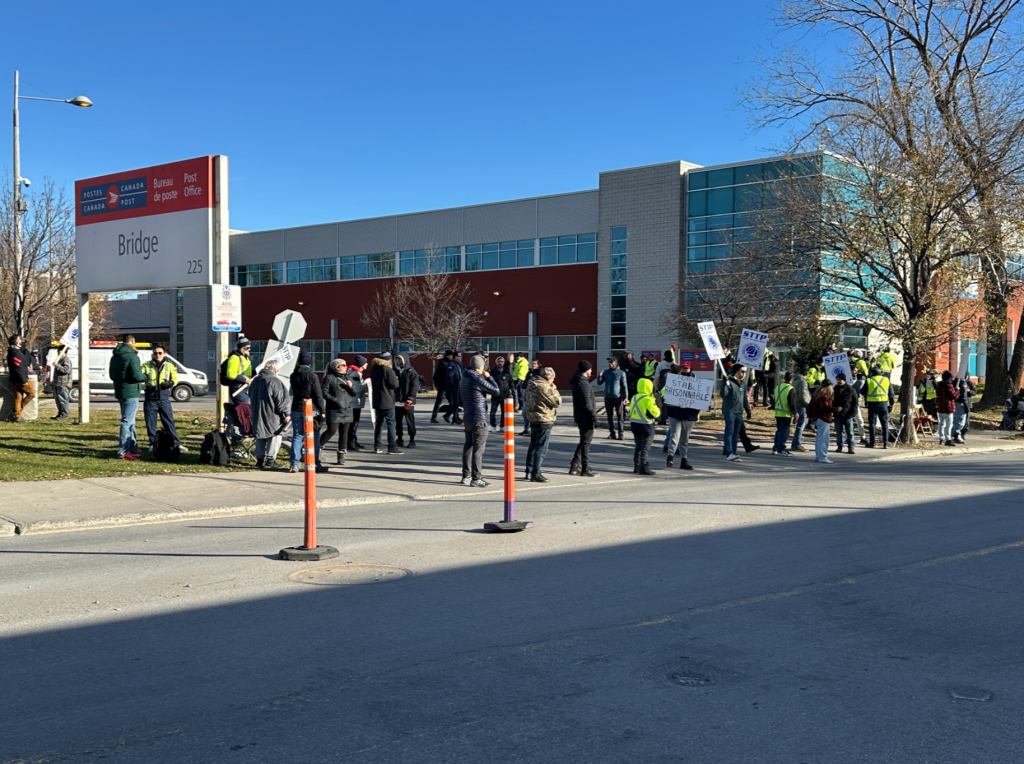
(584,413)
(405,408)
(501,373)
(453,382)
(846,403)
(475,386)
(305,385)
(237,371)
(384,383)
(355,376)
(614,380)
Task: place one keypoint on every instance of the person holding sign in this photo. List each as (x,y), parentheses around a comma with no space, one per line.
(62,383)
(734,404)
(680,423)
(847,404)
(643,412)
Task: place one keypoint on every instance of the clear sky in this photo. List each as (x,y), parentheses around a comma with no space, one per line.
(343,110)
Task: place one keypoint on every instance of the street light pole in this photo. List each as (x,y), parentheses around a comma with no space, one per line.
(19,287)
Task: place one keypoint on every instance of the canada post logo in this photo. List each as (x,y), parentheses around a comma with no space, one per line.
(110,197)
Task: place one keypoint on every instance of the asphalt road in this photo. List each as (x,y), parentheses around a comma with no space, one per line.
(806,615)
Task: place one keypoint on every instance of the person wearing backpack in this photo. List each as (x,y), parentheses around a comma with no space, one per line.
(236,371)
(161,377)
(126,374)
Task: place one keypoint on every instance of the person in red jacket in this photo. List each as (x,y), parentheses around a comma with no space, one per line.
(946,396)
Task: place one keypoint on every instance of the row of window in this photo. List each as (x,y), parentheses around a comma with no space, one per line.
(620,236)
(754,173)
(554,250)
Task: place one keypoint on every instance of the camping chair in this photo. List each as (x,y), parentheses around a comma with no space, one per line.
(1012,417)
(922,421)
(243,442)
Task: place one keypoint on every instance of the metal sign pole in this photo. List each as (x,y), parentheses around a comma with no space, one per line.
(221,272)
(83,358)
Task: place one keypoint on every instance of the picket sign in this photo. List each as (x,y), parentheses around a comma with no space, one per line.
(752,349)
(709,335)
(70,337)
(837,364)
(688,392)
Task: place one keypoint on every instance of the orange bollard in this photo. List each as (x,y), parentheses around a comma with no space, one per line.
(309,551)
(509,524)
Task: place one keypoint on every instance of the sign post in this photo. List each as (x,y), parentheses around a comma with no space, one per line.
(84,325)
(221,276)
(509,524)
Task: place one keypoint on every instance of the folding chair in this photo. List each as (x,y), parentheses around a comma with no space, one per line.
(923,422)
(243,442)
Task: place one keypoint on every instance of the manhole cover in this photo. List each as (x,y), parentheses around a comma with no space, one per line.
(347,575)
(690,679)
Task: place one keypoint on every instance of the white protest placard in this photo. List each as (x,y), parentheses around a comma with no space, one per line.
(70,337)
(709,335)
(688,392)
(837,364)
(752,349)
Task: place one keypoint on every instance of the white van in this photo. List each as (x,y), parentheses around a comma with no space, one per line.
(190,381)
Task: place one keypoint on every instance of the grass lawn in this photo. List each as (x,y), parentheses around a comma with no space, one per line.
(49,450)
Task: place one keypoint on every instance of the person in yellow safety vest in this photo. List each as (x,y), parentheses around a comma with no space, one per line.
(886,362)
(785,407)
(813,377)
(161,377)
(861,367)
(650,367)
(926,394)
(238,371)
(643,412)
(519,371)
(880,400)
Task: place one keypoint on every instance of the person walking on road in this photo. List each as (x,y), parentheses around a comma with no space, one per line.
(681,422)
(475,386)
(405,408)
(126,374)
(62,373)
(452,381)
(161,378)
(383,385)
(18,364)
(305,384)
(584,413)
(502,377)
(801,397)
(880,398)
(734,404)
(271,409)
(615,390)
(440,371)
(785,406)
(542,402)
(355,375)
(643,413)
(946,396)
(338,395)
(846,404)
(821,409)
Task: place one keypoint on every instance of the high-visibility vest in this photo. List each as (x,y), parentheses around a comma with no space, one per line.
(167,373)
(640,408)
(886,362)
(782,392)
(927,390)
(878,389)
(767,359)
(812,375)
(649,368)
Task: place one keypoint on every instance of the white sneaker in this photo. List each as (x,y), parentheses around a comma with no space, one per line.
(785,452)
(732,458)
(826,460)
(182,449)
(466,481)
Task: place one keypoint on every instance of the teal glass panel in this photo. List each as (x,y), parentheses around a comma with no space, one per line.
(619,233)
(697,180)
(719,201)
(697,203)
(750,173)
(585,253)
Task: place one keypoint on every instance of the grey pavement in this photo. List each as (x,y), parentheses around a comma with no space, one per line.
(430,471)
(867,612)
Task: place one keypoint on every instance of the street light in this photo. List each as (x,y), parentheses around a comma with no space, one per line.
(19,206)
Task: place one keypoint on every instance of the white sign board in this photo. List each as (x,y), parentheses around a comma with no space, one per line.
(226,301)
(712,344)
(688,392)
(70,337)
(837,364)
(752,348)
(151,228)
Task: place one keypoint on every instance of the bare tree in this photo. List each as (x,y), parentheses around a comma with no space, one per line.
(434,310)
(37,294)
(957,60)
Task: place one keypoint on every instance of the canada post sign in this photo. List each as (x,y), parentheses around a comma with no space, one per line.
(146,229)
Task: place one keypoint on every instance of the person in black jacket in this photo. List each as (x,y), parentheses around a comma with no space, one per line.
(634,372)
(476,384)
(440,372)
(452,382)
(405,406)
(501,375)
(384,384)
(338,393)
(305,385)
(845,404)
(18,364)
(584,413)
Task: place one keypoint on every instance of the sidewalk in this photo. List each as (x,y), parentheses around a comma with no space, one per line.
(429,472)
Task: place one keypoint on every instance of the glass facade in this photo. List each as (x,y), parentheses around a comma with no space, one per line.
(559,250)
(618,291)
(416,262)
(368,266)
(505,254)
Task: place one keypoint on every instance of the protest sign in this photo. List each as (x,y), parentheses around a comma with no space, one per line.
(752,349)
(837,364)
(70,337)
(688,392)
(712,344)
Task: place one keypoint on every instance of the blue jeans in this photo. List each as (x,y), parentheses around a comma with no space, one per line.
(540,437)
(386,417)
(497,411)
(733,422)
(162,409)
(959,419)
(127,442)
(62,395)
(782,424)
(822,438)
(844,427)
(801,420)
(299,438)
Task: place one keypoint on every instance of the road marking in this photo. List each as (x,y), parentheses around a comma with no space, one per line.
(811,588)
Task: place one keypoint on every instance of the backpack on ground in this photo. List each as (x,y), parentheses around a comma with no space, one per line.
(167,449)
(215,450)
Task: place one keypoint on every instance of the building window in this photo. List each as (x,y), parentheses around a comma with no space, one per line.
(568,343)
(303,271)
(560,250)
(416,262)
(368,266)
(362,346)
(498,344)
(264,274)
(505,254)
(618,288)
(179,324)
(320,350)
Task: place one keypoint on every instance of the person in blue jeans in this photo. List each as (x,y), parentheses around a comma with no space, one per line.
(801,397)
(783,396)
(734,404)
(305,385)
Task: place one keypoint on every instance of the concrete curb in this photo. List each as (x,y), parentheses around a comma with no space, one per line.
(947,451)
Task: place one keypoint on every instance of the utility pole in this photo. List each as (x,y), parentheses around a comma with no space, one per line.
(19,286)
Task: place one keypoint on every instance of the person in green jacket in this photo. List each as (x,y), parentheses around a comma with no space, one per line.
(126,374)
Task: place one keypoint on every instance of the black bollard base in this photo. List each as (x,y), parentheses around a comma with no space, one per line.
(512,527)
(304,554)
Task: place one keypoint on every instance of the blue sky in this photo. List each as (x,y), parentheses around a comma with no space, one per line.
(336,111)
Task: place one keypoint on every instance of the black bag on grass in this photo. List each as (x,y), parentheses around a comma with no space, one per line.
(166,449)
(215,449)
